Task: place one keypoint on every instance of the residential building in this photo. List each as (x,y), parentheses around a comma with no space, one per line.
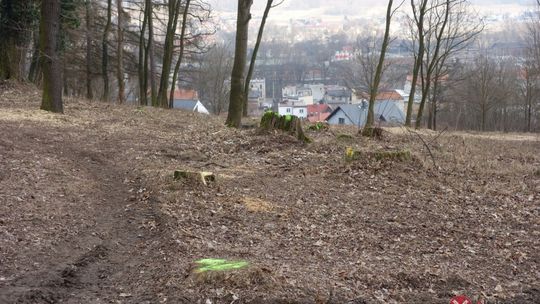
(318,112)
(188,100)
(386,112)
(336,95)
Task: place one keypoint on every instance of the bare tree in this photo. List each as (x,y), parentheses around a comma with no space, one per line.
(419,9)
(212,83)
(374,85)
(89,26)
(236,102)
(449,29)
(51,63)
(120,54)
(269,5)
(105,53)
(181,55)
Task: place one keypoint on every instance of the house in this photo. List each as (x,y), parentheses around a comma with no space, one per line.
(299,94)
(293,108)
(318,112)
(387,112)
(258,85)
(188,100)
(317,91)
(337,95)
(396,96)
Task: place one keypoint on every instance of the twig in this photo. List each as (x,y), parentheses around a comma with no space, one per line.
(425,145)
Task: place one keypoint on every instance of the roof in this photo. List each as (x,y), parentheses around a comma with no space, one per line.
(389,95)
(338,93)
(319,117)
(386,95)
(352,112)
(184,104)
(319,108)
(185,94)
(385,110)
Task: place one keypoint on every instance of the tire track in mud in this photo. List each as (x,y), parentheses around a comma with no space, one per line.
(102,261)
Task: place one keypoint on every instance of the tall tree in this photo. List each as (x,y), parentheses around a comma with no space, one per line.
(462,28)
(236,99)
(419,9)
(120,54)
(89,26)
(52,68)
(17,18)
(150,55)
(269,5)
(105,54)
(374,88)
(168,52)
(436,27)
(143,62)
(181,55)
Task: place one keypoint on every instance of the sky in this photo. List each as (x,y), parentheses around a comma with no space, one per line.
(335,10)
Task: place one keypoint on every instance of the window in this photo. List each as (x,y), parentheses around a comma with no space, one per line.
(288,110)
(341,121)
(301,111)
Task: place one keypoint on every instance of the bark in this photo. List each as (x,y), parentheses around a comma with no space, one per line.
(432,64)
(181,55)
(236,103)
(89,26)
(105,54)
(51,63)
(142,64)
(13,38)
(120,56)
(34,74)
(254,56)
(368,128)
(150,56)
(174,11)
(419,56)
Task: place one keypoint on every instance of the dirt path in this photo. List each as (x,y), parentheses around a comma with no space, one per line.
(107,255)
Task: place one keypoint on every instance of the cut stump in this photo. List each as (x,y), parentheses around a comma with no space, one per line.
(199,177)
(287,123)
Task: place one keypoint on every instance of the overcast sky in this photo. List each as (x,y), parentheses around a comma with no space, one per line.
(304,9)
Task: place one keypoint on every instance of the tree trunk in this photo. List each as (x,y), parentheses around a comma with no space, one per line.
(419,58)
(89,26)
(51,63)
(254,57)
(374,90)
(34,74)
(174,11)
(432,65)
(13,38)
(236,103)
(105,54)
(120,51)
(142,65)
(181,55)
(150,54)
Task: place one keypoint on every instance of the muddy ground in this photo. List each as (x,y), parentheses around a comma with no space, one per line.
(90,213)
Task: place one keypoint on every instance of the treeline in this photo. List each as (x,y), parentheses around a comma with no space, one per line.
(110,50)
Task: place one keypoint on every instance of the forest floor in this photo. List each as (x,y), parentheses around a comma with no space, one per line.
(90,213)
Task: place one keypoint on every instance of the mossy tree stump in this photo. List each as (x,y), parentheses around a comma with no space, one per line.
(373,132)
(287,123)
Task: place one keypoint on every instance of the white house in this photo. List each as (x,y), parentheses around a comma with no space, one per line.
(293,108)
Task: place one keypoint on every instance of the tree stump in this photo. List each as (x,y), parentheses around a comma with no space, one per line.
(287,123)
(198,177)
(373,132)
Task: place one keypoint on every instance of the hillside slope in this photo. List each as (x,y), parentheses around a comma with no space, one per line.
(90,212)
